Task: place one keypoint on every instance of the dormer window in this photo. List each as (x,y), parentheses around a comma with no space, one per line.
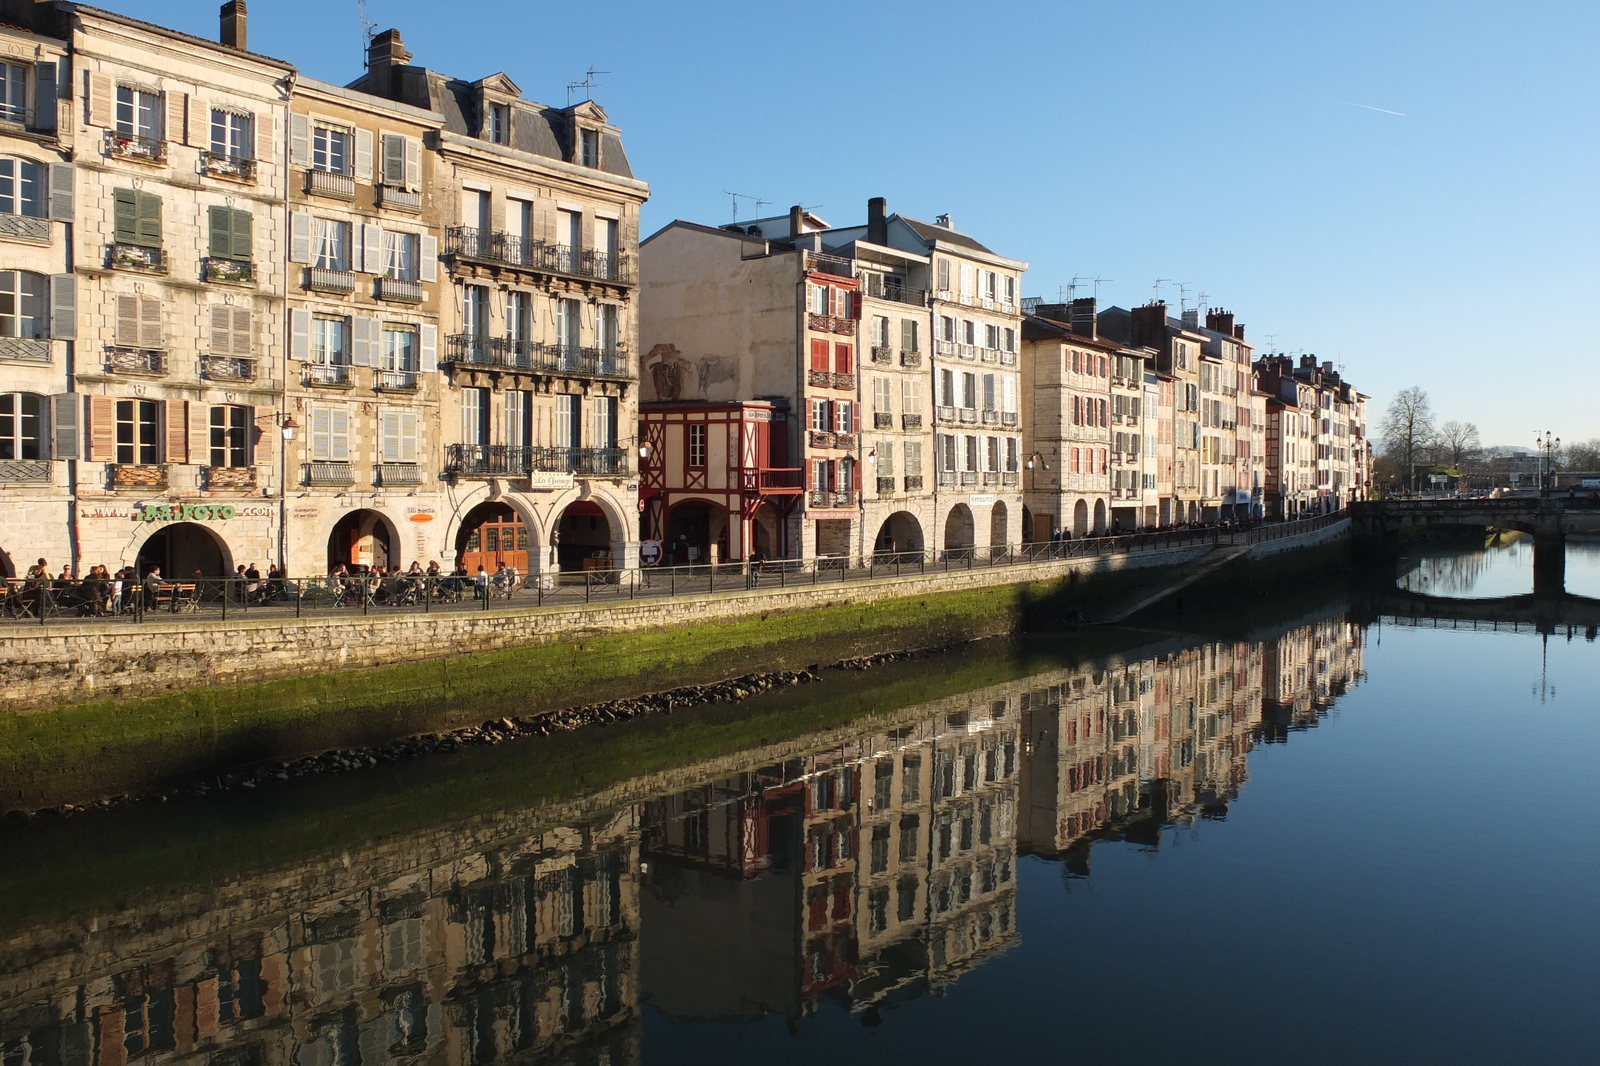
(589,148)
(499,124)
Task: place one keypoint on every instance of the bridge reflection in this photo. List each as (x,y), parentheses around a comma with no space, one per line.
(1549,613)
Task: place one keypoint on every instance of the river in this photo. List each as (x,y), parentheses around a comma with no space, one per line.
(1295,839)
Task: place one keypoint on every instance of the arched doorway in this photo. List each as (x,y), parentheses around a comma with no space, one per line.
(693,527)
(363,538)
(958,528)
(900,532)
(997,525)
(1099,516)
(182,548)
(583,538)
(1080,518)
(766,532)
(493,535)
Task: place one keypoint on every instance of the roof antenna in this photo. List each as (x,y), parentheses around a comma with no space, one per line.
(369,29)
(588,85)
(737,196)
(1183,296)
(1097,282)
(1158,284)
(1272,344)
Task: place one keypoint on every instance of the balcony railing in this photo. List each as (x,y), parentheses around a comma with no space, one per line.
(966,351)
(884,356)
(502,353)
(945,414)
(25,349)
(969,477)
(968,414)
(882,420)
(25,471)
(947,347)
(774,479)
(1008,358)
(827,379)
(399,474)
(136,257)
(326,473)
(910,421)
(1011,478)
(830,264)
(133,147)
(329,375)
(991,418)
(894,290)
(830,500)
(396,198)
(135,476)
(400,290)
(227,368)
(989,355)
(910,359)
(230,478)
(504,460)
(990,477)
(230,271)
(496,247)
(149,361)
(328,183)
(913,482)
(821,438)
(831,324)
(395,380)
(24,227)
(947,477)
(221,165)
(1008,418)
(323,279)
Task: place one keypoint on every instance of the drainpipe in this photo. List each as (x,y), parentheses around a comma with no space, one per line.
(288,83)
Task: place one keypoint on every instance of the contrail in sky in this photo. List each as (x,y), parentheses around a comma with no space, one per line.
(1369,107)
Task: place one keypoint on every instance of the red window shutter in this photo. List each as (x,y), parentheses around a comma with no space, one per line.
(841,358)
(819,355)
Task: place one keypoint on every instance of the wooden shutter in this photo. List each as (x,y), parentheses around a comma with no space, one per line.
(149,322)
(125,216)
(127,330)
(408,436)
(363,155)
(908,334)
(63,177)
(391,436)
(339,434)
(64,410)
(44,107)
(149,211)
(102,429)
(321,432)
(177,417)
(175,121)
(413,163)
(243,235)
(243,331)
(371,261)
(366,333)
(299,237)
(841,358)
(819,355)
(429,353)
(261,448)
(394,159)
(222,330)
(199,128)
(99,91)
(220,231)
(64,307)
(299,334)
(200,434)
(428,255)
(299,141)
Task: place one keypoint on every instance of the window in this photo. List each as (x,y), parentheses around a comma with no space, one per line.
(230,435)
(569,229)
(970,456)
(399,436)
(820,420)
(138,112)
(569,420)
(911,396)
(944,275)
(138,427)
(947,452)
(399,350)
(608,327)
(913,458)
(22,185)
(330,434)
(908,334)
(821,475)
(947,328)
(519,420)
(947,388)
(22,305)
(991,336)
(988,392)
(230,234)
(475,310)
(13,93)
(137,218)
(1010,339)
(330,341)
(330,149)
(819,356)
(332,244)
(475,417)
(605,421)
(499,123)
(843,416)
(969,333)
(880,331)
(1012,446)
(23,426)
(230,134)
(400,255)
(606,236)
(519,317)
(819,299)
(697,444)
(1008,399)
(842,359)
(969,390)
(881,394)
(589,148)
(992,453)
(1009,292)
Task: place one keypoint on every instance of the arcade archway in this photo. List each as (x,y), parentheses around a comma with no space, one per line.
(998,516)
(900,532)
(958,528)
(584,538)
(1080,519)
(181,549)
(493,535)
(363,539)
(693,527)
(1099,516)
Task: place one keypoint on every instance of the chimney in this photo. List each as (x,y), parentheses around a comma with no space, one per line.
(877,221)
(233,25)
(1082,317)
(1238,333)
(1220,321)
(943,220)
(1147,326)
(1327,367)
(797,216)
(1308,362)
(1191,319)
(385,53)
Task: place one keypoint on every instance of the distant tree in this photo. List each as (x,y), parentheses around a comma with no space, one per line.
(1407,429)
(1457,443)
(1583,455)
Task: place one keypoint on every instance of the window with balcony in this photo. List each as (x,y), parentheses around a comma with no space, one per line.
(908,335)
(608,327)
(22,188)
(519,319)
(136,230)
(400,255)
(230,435)
(330,434)
(569,420)
(138,113)
(330,149)
(398,353)
(605,421)
(398,442)
(330,340)
(843,416)
(475,311)
(138,432)
(23,312)
(24,426)
(330,244)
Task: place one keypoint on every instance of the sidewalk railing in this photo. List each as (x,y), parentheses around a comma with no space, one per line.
(40,602)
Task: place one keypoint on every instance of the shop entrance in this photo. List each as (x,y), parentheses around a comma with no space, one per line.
(362,540)
(492,535)
(184,550)
(585,538)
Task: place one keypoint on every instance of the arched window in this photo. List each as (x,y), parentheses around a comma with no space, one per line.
(22,187)
(22,304)
(24,426)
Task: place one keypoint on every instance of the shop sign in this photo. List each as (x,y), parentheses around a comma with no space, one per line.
(542,479)
(303,514)
(197,512)
(982,500)
(420,514)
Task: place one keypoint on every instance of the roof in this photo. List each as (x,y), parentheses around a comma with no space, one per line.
(931,233)
(1051,327)
(719,231)
(164,31)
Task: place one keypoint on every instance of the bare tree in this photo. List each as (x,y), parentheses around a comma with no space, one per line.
(1457,443)
(1581,456)
(1407,428)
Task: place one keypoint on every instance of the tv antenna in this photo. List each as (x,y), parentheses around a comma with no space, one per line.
(1183,296)
(1272,344)
(368,28)
(737,196)
(588,85)
(1157,287)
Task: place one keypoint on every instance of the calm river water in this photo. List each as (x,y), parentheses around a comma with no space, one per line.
(1318,841)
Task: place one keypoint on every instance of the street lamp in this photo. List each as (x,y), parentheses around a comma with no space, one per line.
(1549,444)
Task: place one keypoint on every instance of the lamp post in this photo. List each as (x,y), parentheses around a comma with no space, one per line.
(287,427)
(1548,443)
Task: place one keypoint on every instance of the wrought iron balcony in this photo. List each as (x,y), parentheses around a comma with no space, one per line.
(329,183)
(25,349)
(910,421)
(400,290)
(966,351)
(24,227)
(230,271)
(910,359)
(503,353)
(230,478)
(328,473)
(25,471)
(947,477)
(399,474)
(884,356)
(967,414)
(329,375)
(991,418)
(222,165)
(527,253)
(882,420)
(1008,358)
(990,477)
(827,379)
(395,380)
(398,199)
(830,500)
(1008,418)
(777,479)
(133,147)
(148,361)
(503,460)
(831,324)
(227,368)
(969,477)
(821,438)
(947,347)
(323,279)
(886,485)
(989,355)
(136,257)
(913,482)
(830,264)
(945,414)
(136,476)
(893,290)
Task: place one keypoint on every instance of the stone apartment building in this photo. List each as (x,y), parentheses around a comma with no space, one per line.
(1318,450)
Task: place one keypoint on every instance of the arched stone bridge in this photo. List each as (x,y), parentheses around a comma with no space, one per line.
(1549,520)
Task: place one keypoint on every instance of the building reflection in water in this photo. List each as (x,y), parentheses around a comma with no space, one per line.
(866,867)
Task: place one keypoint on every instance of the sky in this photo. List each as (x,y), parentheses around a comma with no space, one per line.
(1406,188)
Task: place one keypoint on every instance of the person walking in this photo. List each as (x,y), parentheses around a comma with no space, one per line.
(480,584)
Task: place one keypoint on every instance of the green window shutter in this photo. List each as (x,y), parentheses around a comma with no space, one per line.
(125,215)
(220,220)
(241,235)
(149,207)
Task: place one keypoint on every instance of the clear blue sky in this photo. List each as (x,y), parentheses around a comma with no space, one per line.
(1452,246)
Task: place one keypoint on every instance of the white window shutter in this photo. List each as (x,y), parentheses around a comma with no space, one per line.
(408,436)
(243,331)
(221,330)
(413,163)
(175,127)
(371,249)
(299,237)
(64,307)
(199,123)
(44,107)
(300,334)
(321,432)
(100,90)
(363,155)
(299,140)
(149,322)
(391,436)
(65,411)
(429,349)
(429,255)
(339,432)
(63,177)
(364,343)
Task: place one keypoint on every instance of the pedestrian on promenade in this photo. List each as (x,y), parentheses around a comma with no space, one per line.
(480,584)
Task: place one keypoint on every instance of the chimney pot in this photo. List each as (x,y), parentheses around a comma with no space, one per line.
(385,53)
(943,220)
(877,220)
(797,216)
(233,25)
(1083,319)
